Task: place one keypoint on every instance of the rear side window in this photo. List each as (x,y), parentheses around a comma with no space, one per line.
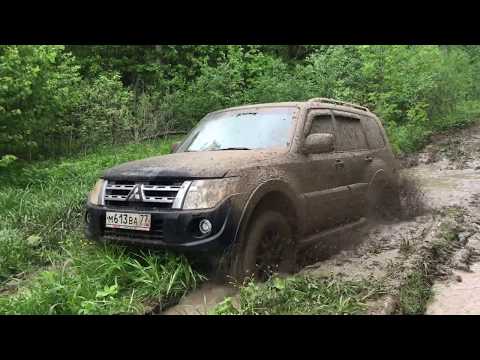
(373,132)
(322,124)
(350,134)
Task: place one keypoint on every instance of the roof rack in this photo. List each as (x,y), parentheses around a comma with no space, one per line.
(338,102)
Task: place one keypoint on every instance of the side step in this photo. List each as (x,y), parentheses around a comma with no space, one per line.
(312,239)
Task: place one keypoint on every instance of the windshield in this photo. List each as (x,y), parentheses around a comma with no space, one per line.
(244,129)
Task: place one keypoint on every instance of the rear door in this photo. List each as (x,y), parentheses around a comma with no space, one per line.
(353,153)
(380,156)
(379,151)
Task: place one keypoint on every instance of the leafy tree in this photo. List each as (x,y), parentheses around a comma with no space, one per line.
(38,84)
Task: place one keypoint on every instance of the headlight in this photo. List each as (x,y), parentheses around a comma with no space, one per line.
(204,194)
(95,197)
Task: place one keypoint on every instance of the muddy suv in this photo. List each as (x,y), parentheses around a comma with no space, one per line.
(256,182)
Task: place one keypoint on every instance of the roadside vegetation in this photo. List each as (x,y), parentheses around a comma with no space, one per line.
(415,294)
(301,295)
(46,265)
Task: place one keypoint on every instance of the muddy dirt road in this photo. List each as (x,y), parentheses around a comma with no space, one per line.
(441,244)
(452,178)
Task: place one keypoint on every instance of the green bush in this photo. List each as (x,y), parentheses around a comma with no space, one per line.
(101,115)
(38,86)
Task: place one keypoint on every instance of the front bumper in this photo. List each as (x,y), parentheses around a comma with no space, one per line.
(174,229)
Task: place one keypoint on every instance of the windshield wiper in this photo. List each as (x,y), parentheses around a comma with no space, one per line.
(233,148)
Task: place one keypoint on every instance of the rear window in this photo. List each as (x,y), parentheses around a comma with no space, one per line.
(322,124)
(350,134)
(373,132)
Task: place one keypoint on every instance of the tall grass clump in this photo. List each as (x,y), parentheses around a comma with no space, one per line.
(16,253)
(42,204)
(88,279)
(415,294)
(42,245)
(301,295)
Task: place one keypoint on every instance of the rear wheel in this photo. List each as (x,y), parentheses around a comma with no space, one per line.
(269,247)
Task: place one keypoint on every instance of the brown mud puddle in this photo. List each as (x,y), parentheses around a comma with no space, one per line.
(459,296)
(456,181)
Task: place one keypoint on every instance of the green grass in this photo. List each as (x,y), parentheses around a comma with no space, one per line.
(56,270)
(301,295)
(414,294)
(88,279)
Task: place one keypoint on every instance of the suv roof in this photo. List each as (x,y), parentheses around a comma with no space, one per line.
(338,102)
(323,102)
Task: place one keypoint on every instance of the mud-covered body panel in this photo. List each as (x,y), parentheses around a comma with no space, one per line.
(195,165)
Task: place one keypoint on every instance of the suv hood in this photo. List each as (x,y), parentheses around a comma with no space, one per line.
(202,164)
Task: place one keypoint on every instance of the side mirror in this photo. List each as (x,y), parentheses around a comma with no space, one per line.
(318,143)
(174,146)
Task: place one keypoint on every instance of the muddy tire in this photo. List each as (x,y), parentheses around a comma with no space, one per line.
(384,202)
(269,248)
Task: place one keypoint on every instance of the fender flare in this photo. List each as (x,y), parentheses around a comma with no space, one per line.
(377,176)
(391,177)
(258,194)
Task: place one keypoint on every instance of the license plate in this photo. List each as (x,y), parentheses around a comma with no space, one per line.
(130,221)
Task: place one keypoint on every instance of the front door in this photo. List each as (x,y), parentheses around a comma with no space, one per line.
(325,178)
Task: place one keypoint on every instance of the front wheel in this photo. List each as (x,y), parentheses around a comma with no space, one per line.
(269,249)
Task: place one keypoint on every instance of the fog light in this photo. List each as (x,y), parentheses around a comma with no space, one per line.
(205,226)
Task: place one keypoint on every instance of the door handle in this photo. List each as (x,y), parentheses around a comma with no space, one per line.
(369,159)
(339,163)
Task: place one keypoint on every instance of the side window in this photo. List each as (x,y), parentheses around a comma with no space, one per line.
(374,134)
(350,134)
(322,124)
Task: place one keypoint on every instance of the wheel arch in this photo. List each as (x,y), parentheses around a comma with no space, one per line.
(276,195)
(383,175)
(376,177)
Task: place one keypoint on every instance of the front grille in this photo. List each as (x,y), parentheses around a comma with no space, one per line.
(142,195)
(155,233)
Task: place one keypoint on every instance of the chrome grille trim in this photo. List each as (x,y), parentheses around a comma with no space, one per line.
(116,197)
(172,195)
(101,201)
(182,192)
(120,187)
(159,199)
(161,188)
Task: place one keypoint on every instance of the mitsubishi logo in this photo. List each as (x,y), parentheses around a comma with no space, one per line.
(136,193)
